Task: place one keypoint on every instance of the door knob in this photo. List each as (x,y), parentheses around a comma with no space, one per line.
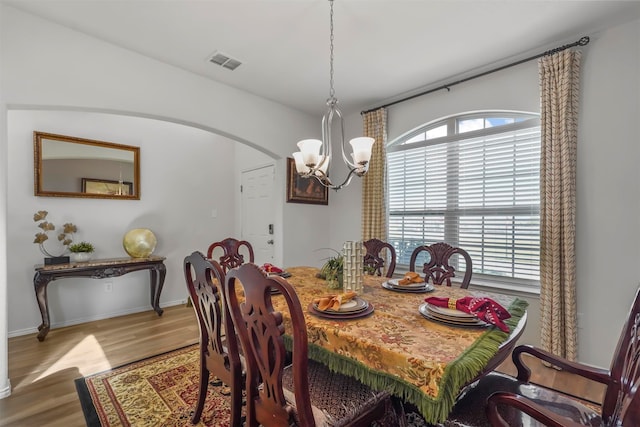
(270,242)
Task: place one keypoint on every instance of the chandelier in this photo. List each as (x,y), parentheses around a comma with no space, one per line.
(312,161)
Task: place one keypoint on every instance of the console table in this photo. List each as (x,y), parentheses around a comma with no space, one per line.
(96,269)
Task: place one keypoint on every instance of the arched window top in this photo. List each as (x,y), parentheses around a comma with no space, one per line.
(471,180)
(472,124)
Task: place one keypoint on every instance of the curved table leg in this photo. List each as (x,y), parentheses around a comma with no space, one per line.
(40,282)
(99,269)
(158,274)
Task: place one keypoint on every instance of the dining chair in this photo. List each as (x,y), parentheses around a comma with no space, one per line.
(373,260)
(305,392)
(501,400)
(218,357)
(232,255)
(438,267)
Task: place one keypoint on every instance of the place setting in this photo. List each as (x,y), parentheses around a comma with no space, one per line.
(343,306)
(412,282)
(272,270)
(450,317)
(467,312)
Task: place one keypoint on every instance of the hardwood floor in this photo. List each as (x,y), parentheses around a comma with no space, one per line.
(559,380)
(42,373)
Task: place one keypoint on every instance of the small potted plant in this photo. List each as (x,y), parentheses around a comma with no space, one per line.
(81,252)
(332,271)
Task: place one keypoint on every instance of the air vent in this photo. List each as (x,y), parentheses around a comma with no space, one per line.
(224,60)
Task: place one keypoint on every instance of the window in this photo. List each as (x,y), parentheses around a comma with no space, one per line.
(472,181)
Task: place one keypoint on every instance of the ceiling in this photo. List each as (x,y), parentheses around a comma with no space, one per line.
(383,49)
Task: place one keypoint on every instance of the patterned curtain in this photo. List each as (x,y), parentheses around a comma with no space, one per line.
(374,185)
(559,88)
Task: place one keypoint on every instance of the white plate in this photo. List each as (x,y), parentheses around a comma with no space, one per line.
(458,323)
(453,319)
(422,289)
(395,284)
(355,305)
(349,304)
(284,274)
(449,312)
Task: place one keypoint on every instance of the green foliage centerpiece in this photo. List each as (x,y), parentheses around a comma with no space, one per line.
(333,271)
(81,247)
(81,252)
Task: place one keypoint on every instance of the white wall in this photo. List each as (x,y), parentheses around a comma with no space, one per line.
(48,67)
(5,386)
(84,72)
(182,176)
(88,74)
(608,212)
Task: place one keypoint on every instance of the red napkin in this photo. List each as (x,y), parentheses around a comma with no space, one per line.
(270,268)
(485,309)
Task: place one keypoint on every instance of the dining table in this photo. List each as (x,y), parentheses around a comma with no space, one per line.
(392,346)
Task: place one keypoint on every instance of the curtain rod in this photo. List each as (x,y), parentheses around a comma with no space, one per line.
(582,42)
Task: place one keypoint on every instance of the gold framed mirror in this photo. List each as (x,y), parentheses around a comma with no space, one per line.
(66,166)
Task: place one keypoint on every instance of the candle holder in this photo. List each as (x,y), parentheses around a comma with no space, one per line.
(353,253)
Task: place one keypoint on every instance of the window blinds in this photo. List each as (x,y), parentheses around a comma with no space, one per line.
(480,193)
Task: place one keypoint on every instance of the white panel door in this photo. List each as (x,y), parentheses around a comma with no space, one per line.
(258,212)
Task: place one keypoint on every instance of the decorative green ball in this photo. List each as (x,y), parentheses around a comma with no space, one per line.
(139,242)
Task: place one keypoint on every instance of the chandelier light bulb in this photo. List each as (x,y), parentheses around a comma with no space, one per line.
(301,168)
(361,149)
(310,149)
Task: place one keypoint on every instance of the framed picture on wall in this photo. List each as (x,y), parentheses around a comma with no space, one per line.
(304,190)
(103,186)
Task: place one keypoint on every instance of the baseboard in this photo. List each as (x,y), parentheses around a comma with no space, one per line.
(72,322)
(6,392)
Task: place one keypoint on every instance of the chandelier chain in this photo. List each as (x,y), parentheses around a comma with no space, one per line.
(312,161)
(332,91)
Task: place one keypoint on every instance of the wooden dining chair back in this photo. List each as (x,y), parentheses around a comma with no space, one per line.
(373,258)
(502,400)
(438,268)
(218,357)
(303,393)
(233,252)
(621,404)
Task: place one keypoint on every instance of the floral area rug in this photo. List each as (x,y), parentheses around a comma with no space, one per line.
(161,391)
(158,391)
